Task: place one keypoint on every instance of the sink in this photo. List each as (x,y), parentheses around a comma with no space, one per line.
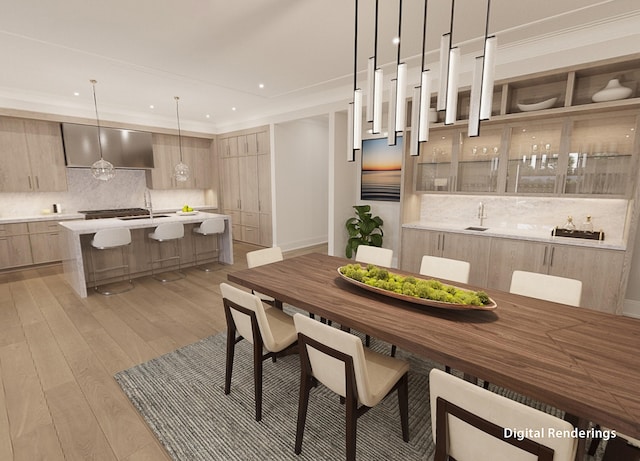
(127,218)
(475,228)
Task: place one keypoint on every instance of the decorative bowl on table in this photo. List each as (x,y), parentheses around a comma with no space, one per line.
(427,292)
(546,104)
(187,213)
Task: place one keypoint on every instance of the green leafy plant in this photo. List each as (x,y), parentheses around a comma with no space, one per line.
(364,229)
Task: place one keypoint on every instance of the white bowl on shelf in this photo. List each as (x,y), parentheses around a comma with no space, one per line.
(546,104)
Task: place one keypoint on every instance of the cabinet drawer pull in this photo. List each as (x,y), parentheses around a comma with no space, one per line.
(544,258)
(30,185)
(37,183)
(553,249)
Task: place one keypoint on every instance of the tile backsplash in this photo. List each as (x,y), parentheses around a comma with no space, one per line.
(527,213)
(84,192)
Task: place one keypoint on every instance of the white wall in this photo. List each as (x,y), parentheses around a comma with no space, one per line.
(301,162)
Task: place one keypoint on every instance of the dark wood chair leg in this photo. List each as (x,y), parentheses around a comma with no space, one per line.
(403,405)
(231,346)
(306,383)
(351,423)
(257,378)
(367,340)
(618,449)
(393,350)
(447,368)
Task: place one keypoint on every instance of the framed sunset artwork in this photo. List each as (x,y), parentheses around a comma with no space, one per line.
(381,170)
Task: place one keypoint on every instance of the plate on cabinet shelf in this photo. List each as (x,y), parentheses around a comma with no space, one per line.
(546,104)
(187,213)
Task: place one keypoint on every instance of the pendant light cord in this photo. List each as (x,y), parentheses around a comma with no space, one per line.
(179,131)
(95,104)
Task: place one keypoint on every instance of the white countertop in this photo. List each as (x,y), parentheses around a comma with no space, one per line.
(90,226)
(539,235)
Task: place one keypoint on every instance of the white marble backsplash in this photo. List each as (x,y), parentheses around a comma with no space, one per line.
(526,213)
(84,192)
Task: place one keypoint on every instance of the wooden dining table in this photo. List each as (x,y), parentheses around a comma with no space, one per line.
(584,362)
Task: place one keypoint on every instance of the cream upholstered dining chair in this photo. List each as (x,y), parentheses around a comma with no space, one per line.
(547,287)
(338,360)
(267,329)
(260,258)
(470,423)
(445,268)
(374,255)
(377,256)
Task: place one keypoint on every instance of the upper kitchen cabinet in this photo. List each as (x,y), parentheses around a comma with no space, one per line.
(246,185)
(31,156)
(196,153)
(479,161)
(436,164)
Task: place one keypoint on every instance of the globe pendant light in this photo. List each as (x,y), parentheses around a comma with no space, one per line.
(101,169)
(181,170)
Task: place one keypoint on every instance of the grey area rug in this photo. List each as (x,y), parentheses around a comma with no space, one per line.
(181,397)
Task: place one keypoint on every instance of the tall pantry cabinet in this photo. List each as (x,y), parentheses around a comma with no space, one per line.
(245,166)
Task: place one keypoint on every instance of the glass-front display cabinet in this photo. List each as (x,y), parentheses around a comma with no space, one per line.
(434,170)
(601,156)
(478,161)
(534,158)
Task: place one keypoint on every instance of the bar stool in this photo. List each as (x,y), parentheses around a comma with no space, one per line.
(167,232)
(213,226)
(107,239)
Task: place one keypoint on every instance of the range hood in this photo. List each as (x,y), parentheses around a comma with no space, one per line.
(123,148)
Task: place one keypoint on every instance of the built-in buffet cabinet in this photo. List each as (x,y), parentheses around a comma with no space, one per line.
(548,138)
(31,156)
(493,260)
(245,165)
(197,154)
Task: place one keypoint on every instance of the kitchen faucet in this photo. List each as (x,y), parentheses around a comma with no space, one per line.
(147,202)
(481,215)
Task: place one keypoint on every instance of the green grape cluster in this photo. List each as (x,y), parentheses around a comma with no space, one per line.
(428,289)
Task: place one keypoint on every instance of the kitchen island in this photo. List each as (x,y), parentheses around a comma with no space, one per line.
(76,242)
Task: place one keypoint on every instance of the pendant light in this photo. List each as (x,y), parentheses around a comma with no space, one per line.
(181,170)
(355,107)
(101,169)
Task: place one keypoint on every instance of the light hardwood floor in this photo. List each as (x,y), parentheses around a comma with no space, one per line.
(59,352)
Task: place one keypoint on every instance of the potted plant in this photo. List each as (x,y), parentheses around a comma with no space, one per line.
(364,229)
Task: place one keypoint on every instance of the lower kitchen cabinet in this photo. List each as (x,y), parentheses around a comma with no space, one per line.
(474,249)
(15,250)
(599,269)
(45,241)
(493,260)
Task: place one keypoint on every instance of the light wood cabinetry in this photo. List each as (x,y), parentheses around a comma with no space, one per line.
(31,156)
(493,260)
(417,243)
(600,270)
(575,147)
(44,237)
(246,185)
(15,250)
(196,154)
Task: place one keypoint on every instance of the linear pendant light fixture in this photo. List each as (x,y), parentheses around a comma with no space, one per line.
(355,106)
(398,92)
(181,170)
(482,83)
(102,170)
(374,84)
(421,102)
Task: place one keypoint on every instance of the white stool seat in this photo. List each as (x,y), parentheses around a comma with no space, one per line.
(168,231)
(107,239)
(111,238)
(211,226)
(164,232)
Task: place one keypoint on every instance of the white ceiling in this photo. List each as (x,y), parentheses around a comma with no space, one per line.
(215,53)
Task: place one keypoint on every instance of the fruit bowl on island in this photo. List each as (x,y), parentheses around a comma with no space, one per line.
(186,211)
(428,292)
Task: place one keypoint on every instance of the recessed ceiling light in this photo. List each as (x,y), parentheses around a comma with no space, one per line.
(75,93)
(151,106)
(208,116)
(260,85)
(233,108)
